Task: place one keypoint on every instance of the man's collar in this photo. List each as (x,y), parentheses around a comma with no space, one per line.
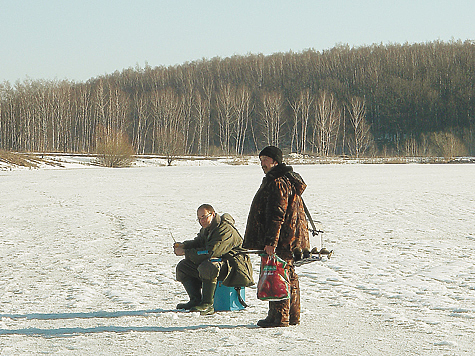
(215,222)
(278,171)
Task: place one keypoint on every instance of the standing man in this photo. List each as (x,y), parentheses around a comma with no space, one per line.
(203,261)
(277,225)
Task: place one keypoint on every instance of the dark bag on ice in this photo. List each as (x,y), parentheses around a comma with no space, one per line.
(239,269)
(273,279)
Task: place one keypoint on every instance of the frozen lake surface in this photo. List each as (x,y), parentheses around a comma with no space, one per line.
(87,265)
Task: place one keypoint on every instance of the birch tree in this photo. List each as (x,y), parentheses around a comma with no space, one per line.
(168,116)
(202,114)
(272,108)
(141,123)
(296,107)
(362,139)
(242,106)
(326,124)
(226,113)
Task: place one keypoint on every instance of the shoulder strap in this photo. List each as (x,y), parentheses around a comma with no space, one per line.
(314,228)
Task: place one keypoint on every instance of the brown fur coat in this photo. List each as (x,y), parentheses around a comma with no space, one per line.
(277,216)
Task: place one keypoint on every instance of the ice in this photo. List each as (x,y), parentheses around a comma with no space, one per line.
(87,265)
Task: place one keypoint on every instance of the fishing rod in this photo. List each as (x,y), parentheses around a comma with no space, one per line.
(170,232)
(175,243)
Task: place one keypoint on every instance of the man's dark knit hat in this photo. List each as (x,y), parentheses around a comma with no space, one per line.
(273,152)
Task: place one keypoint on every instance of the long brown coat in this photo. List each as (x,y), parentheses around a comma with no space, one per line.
(277,216)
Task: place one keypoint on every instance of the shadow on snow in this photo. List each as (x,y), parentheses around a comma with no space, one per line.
(97,314)
(67,332)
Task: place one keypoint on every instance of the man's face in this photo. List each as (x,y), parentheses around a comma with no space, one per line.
(204,217)
(267,163)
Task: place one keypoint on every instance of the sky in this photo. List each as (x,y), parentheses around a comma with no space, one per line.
(82,39)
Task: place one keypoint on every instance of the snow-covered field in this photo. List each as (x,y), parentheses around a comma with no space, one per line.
(87,266)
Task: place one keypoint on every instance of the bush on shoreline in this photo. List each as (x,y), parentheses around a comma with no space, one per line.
(113,148)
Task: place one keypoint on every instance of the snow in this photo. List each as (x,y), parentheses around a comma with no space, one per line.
(87,264)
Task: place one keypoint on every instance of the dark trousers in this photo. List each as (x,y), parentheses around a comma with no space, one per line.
(207,270)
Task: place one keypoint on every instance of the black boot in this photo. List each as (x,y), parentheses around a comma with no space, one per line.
(206,307)
(277,316)
(193,288)
(269,320)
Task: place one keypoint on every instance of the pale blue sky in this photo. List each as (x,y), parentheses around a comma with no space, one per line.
(79,40)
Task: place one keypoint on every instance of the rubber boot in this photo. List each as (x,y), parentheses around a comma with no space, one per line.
(206,307)
(279,316)
(269,320)
(193,288)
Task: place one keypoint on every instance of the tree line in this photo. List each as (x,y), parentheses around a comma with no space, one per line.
(395,99)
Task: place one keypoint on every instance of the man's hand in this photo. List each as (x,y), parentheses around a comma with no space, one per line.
(270,250)
(179,249)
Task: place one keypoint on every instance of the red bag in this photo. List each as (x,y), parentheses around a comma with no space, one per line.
(273,279)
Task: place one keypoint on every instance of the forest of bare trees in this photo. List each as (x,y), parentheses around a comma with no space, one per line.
(397,99)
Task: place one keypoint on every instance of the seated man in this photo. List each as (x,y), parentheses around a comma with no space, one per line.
(203,263)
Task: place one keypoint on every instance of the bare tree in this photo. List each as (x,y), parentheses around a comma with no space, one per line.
(301,111)
(156,98)
(272,108)
(8,116)
(412,147)
(226,114)
(187,79)
(362,139)
(448,145)
(83,129)
(118,108)
(141,123)
(168,116)
(326,124)
(306,105)
(203,104)
(243,111)
(296,107)
(202,113)
(171,143)
(208,90)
